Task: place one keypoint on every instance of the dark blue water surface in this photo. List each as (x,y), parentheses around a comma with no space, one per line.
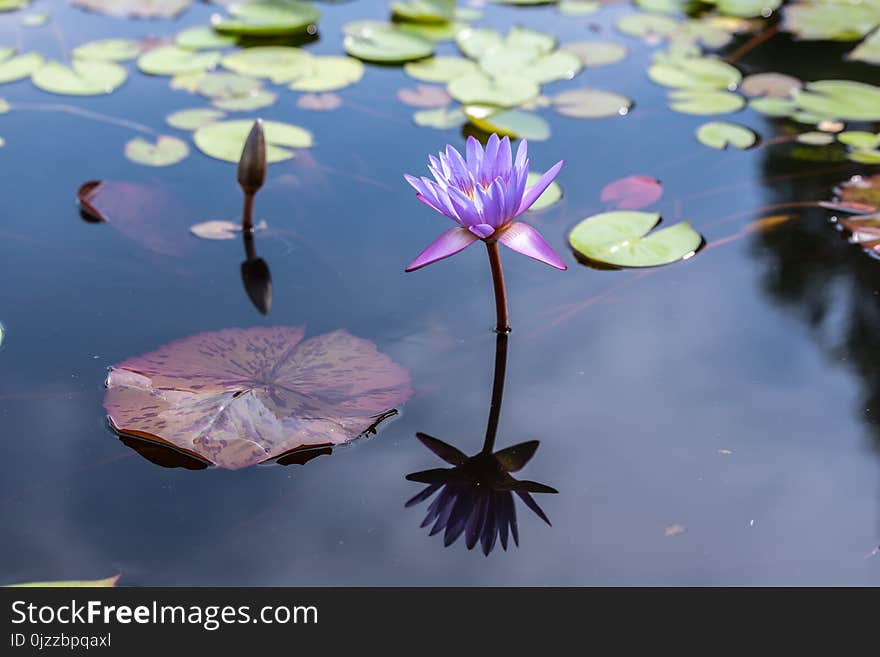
(735,394)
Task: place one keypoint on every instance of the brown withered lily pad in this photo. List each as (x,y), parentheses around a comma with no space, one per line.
(238,397)
(860,192)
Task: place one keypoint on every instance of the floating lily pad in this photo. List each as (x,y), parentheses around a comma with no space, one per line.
(597,53)
(840,99)
(37,19)
(442,118)
(171,60)
(859,139)
(695,73)
(476,42)
(578,7)
(864,156)
(227,85)
(747,8)
(263,18)
(424,95)
(815,138)
(721,134)
(329,74)
(646,25)
(4,106)
(770,85)
(192,119)
(18,67)
(13,5)
(514,123)
(109,582)
(479,88)
(705,101)
(773,106)
(868,50)
(319,102)
(559,65)
(254,100)
(440,69)
(549,197)
(590,103)
(622,239)
(109,50)
(203,38)
(225,140)
(423,11)
(841,21)
(164,152)
(384,43)
(278,63)
(434,32)
(242,396)
(135,8)
(632,192)
(863,191)
(81,78)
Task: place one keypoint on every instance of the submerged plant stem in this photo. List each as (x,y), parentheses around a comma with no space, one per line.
(247,214)
(502,324)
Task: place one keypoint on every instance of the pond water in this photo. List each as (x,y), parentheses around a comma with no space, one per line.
(713,422)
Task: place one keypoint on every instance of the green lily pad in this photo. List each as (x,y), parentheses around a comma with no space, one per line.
(868,50)
(164,152)
(278,63)
(864,156)
(722,134)
(384,43)
(440,69)
(830,20)
(578,7)
(191,119)
(705,101)
(476,42)
(13,5)
(4,106)
(773,106)
(81,78)
(441,118)
(551,195)
(37,19)
(225,140)
(597,53)
(559,65)
(480,89)
(203,38)
(859,139)
(254,100)
(524,38)
(171,60)
(109,50)
(514,123)
(268,18)
(434,32)
(622,239)
(227,85)
(747,8)
(646,25)
(14,68)
(695,73)
(329,74)
(840,99)
(590,103)
(423,11)
(815,138)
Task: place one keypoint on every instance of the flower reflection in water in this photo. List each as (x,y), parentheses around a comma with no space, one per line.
(475,496)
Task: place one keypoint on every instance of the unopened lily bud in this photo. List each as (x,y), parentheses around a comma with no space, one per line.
(252,165)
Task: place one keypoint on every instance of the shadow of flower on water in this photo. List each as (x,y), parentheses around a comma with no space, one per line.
(475,496)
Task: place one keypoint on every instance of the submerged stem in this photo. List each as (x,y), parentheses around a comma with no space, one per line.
(497,393)
(502,319)
(247,214)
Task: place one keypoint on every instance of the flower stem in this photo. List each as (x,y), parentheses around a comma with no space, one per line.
(497,393)
(502,319)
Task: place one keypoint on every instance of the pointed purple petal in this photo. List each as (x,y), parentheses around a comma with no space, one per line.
(490,155)
(503,161)
(533,192)
(522,156)
(524,239)
(448,244)
(482,230)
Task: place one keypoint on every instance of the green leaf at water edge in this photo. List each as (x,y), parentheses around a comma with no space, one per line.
(81,78)
(441,118)
(384,43)
(108,50)
(722,134)
(263,18)
(705,101)
(515,123)
(164,152)
(440,69)
(171,60)
(479,88)
(622,239)
(18,67)
(225,140)
(191,119)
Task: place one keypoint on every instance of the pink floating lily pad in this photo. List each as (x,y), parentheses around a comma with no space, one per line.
(632,192)
(238,397)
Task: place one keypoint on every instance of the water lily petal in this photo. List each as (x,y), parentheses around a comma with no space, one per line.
(504,159)
(482,230)
(433,196)
(524,239)
(522,157)
(532,193)
(448,244)
(490,156)
(474,155)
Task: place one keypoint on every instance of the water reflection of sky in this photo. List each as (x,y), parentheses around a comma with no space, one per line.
(632,397)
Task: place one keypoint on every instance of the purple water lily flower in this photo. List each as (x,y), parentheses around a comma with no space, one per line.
(484,194)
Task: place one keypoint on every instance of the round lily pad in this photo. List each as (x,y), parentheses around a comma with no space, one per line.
(815,138)
(171,60)
(578,7)
(722,134)
(440,69)
(164,152)
(329,74)
(192,119)
(773,106)
(19,67)
(523,38)
(551,195)
(705,101)
(384,43)
(227,85)
(423,11)
(278,63)
(225,140)
(108,50)
(81,78)
(859,139)
(476,42)
(254,100)
(203,38)
(479,88)
(621,239)
(559,65)
(590,103)
(441,118)
(864,156)
(646,25)
(695,73)
(268,18)
(840,99)
(514,123)
(597,53)
(770,85)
